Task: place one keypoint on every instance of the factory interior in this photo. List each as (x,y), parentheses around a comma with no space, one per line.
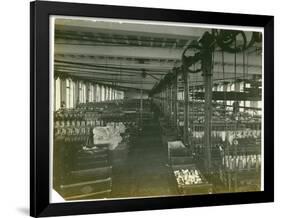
(150,109)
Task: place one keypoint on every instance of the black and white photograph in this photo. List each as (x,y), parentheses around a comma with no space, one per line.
(154,109)
(133,109)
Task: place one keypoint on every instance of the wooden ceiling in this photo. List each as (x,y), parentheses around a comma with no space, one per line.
(132,55)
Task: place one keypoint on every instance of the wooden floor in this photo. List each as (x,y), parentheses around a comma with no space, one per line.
(145,172)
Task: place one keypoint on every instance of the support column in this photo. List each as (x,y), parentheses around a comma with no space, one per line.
(141,105)
(208,83)
(109,93)
(176,100)
(98,95)
(87,92)
(166,100)
(171,102)
(162,101)
(208,118)
(224,90)
(63,93)
(94,92)
(186,109)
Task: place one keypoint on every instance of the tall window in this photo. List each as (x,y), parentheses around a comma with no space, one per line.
(102,93)
(98,92)
(67,103)
(84,88)
(80,91)
(91,93)
(109,93)
(57,99)
(71,95)
(74,84)
(113,90)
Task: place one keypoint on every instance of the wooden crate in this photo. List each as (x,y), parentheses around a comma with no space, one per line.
(178,154)
(87,189)
(91,164)
(91,174)
(193,189)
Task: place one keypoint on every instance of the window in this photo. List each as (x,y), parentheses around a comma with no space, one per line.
(97,93)
(80,92)
(67,103)
(106,93)
(71,94)
(109,93)
(91,93)
(102,93)
(57,99)
(84,93)
(113,94)
(232,87)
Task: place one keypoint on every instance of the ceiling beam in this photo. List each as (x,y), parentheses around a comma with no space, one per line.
(106,75)
(108,66)
(145,53)
(120,51)
(129,29)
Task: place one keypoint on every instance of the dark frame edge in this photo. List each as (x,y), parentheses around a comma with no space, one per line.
(39,207)
(32,201)
(203,17)
(269,108)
